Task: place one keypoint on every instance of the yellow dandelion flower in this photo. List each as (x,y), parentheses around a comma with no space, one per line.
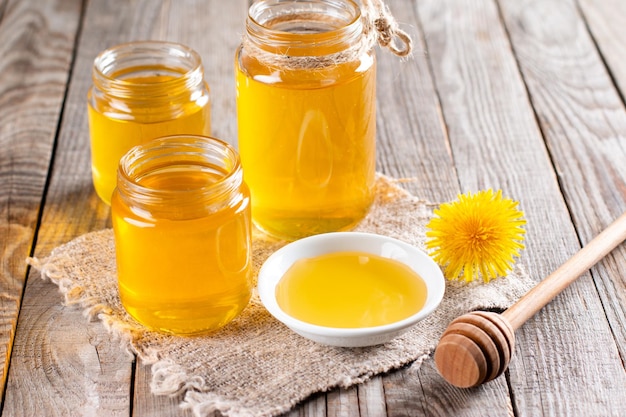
(478,235)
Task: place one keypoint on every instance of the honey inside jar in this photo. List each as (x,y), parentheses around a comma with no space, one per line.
(182,240)
(142,91)
(350,290)
(306,134)
(308,151)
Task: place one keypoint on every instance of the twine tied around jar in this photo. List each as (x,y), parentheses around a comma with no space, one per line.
(379,27)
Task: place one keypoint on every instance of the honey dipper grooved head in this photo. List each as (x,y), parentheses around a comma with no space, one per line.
(475,348)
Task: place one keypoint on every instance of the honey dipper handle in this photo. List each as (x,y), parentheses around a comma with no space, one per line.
(550,287)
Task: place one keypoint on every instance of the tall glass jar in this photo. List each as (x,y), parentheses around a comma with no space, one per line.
(181,218)
(306,102)
(141,91)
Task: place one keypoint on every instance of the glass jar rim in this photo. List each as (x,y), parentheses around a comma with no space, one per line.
(349,32)
(128,55)
(148,154)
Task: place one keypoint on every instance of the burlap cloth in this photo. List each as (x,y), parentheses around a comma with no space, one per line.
(255,366)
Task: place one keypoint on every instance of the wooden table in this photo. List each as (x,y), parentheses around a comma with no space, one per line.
(525,96)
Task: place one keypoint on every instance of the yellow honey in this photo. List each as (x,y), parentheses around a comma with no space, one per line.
(350,290)
(181,218)
(142,91)
(307,131)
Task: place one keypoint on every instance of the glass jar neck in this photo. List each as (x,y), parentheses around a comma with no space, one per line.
(147,71)
(180,177)
(304,28)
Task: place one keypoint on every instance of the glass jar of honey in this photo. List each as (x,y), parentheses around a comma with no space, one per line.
(306,103)
(141,91)
(181,219)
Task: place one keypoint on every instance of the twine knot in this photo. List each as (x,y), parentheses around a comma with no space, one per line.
(389,35)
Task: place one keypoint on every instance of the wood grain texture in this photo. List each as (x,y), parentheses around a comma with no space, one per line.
(413,142)
(372,401)
(147,404)
(496,142)
(404,392)
(411,134)
(93,386)
(499,93)
(606,21)
(214,29)
(313,407)
(36,54)
(592,252)
(342,402)
(64,366)
(490,125)
(3,7)
(584,122)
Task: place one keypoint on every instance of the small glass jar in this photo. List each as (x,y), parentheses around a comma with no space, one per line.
(181,218)
(142,91)
(306,108)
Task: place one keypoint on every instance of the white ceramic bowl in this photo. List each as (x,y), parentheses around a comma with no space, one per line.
(279,262)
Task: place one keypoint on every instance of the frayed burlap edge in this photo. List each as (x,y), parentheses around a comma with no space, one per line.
(255,366)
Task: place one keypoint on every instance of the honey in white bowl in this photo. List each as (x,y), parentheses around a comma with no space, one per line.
(350,289)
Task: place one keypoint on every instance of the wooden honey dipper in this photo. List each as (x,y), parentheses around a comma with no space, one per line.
(477,347)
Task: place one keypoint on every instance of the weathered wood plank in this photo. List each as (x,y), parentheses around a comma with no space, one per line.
(3,7)
(606,20)
(147,404)
(315,406)
(64,366)
(36,53)
(412,138)
(404,392)
(372,398)
(584,122)
(413,142)
(71,194)
(496,143)
(342,402)
(214,29)
(72,208)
